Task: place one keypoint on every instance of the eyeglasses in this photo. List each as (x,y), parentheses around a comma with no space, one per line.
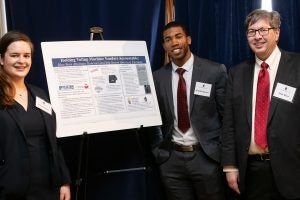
(261,31)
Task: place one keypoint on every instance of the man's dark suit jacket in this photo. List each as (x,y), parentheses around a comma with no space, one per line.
(205,112)
(14,160)
(283,130)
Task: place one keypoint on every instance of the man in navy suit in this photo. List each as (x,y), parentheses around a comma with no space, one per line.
(261,134)
(188,146)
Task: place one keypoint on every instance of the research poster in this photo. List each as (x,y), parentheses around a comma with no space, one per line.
(100,86)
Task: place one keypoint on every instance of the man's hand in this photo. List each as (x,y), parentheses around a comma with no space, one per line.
(65,193)
(232,180)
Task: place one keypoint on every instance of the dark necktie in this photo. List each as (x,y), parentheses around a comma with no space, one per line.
(262,106)
(182,106)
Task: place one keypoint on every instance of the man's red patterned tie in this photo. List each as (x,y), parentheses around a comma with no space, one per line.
(182,106)
(262,106)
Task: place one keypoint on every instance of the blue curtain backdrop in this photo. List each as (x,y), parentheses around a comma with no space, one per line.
(56,20)
(64,20)
(217,28)
(290,24)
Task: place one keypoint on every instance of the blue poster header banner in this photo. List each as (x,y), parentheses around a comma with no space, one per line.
(102,60)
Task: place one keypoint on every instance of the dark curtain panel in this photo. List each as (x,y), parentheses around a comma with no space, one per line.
(290,24)
(57,20)
(217,28)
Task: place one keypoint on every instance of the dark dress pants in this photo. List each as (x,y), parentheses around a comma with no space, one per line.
(260,184)
(192,176)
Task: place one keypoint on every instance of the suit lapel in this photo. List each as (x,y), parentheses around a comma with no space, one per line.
(281,77)
(14,114)
(195,74)
(49,128)
(46,117)
(168,87)
(248,89)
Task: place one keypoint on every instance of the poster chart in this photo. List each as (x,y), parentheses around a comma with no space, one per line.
(100,86)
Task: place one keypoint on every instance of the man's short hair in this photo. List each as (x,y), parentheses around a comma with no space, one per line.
(273,17)
(175,24)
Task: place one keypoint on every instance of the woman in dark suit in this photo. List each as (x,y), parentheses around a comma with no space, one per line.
(31,164)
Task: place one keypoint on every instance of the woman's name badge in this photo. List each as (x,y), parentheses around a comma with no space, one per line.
(284,92)
(43,105)
(202,89)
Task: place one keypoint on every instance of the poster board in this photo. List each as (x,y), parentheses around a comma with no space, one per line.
(100,86)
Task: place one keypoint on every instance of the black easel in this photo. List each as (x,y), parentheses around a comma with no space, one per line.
(137,132)
(84,140)
(96,31)
(82,162)
(82,170)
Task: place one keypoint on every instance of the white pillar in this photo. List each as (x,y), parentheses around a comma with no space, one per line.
(3,24)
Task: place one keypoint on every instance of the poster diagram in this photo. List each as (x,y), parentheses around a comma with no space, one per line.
(100,86)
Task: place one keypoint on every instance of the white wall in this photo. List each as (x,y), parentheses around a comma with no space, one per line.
(266,5)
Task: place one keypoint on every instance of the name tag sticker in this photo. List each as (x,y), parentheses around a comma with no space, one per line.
(284,92)
(43,105)
(202,89)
